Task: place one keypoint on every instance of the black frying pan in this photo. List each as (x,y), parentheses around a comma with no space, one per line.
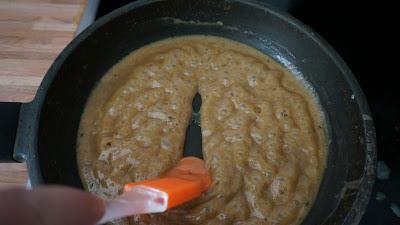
(47,129)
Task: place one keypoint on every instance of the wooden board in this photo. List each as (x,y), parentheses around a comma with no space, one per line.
(13,175)
(32,34)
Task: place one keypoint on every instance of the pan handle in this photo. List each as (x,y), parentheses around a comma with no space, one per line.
(9,115)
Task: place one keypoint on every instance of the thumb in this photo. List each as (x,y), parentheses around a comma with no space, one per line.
(49,206)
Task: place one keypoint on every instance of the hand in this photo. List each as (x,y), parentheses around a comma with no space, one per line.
(52,205)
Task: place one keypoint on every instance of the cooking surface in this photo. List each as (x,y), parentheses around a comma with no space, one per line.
(361,33)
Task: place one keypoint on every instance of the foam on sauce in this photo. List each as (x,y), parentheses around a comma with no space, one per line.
(263,132)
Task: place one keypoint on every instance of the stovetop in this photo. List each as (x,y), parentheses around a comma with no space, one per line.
(363,35)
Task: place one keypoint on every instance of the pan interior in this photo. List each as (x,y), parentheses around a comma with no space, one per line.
(263,132)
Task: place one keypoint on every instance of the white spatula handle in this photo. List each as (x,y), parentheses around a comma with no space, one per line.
(139,200)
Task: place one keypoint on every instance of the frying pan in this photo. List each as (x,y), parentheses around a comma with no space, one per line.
(47,127)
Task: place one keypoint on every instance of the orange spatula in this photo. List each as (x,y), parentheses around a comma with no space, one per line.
(184,182)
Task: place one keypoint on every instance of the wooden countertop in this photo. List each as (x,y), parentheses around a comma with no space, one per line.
(32,34)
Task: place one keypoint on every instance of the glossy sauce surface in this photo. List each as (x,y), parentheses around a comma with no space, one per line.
(263,132)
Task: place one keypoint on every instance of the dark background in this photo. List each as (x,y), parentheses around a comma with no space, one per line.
(363,33)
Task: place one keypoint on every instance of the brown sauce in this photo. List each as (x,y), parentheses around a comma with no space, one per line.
(263,132)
